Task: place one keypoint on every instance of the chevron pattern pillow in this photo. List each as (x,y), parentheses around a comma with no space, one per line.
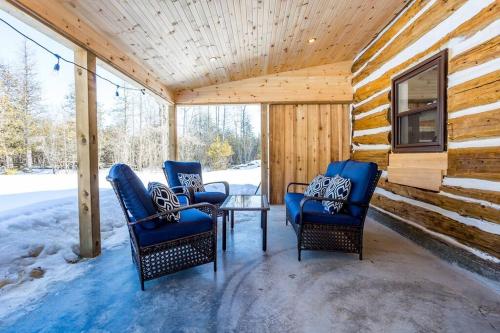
(164,200)
(339,188)
(191,180)
(318,186)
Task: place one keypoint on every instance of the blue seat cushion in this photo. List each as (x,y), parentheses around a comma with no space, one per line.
(134,194)
(210,197)
(314,212)
(192,222)
(361,175)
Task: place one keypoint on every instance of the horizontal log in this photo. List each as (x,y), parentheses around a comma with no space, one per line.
(465,234)
(379,119)
(476,126)
(381,157)
(479,91)
(379,138)
(464,208)
(466,29)
(422,25)
(482,53)
(490,196)
(370,105)
(389,33)
(483,163)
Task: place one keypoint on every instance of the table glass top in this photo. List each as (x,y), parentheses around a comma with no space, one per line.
(245,202)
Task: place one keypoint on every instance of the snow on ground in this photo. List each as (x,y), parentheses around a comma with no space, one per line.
(39,227)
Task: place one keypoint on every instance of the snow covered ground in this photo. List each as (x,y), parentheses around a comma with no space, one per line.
(39,228)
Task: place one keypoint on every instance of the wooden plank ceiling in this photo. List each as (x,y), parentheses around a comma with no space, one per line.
(194,43)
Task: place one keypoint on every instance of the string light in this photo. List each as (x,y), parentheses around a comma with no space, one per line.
(57,66)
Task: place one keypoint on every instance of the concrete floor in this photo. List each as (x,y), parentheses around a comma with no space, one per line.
(398,287)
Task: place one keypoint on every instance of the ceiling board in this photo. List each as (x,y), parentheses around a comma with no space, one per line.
(244,38)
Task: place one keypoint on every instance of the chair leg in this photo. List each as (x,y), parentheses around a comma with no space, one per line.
(299,256)
(142,284)
(361,255)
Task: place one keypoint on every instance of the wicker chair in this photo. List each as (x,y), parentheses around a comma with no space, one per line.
(171,169)
(317,229)
(160,248)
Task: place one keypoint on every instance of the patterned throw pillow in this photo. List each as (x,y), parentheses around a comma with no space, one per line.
(318,186)
(191,180)
(164,200)
(339,188)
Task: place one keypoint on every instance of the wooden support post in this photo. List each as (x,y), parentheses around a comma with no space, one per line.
(87,150)
(264,163)
(172,132)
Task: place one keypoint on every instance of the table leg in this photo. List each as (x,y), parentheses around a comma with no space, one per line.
(224,213)
(232,219)
(263,221)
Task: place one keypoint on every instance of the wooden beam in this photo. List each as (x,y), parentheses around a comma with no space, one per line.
(264,159)
(87,150)
(172,132)
(78,31)
(327,83)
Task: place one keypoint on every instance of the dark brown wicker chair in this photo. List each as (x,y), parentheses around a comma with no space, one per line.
(161,251)
(317,229)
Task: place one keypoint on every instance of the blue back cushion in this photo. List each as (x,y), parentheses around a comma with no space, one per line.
(133,193)
(335,168)
(362,176)
(173,168)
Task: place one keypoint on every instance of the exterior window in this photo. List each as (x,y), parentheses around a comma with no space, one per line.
(419,107)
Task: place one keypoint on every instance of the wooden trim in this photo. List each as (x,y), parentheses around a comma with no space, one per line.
(440,60)
(87,153)
(172,132)
(55,16)
(421,177)
(264,160)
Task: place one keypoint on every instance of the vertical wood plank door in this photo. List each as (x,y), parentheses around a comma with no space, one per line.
(303,140)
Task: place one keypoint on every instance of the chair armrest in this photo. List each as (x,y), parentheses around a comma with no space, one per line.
(226,186)
(294,183)
(155,216)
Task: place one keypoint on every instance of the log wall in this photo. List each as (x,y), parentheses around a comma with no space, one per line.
(466,210)
(303,140)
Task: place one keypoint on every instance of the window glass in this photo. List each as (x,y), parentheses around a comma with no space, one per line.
(419,127)
(418,91)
